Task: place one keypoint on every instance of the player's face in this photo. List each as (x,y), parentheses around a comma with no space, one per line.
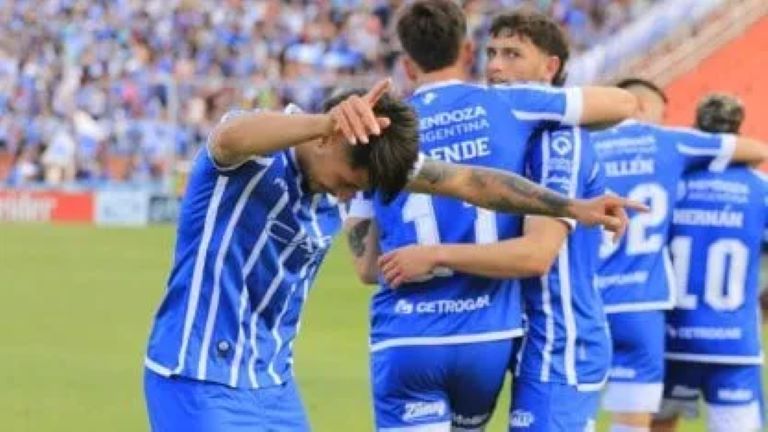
(329,171)
(516,58)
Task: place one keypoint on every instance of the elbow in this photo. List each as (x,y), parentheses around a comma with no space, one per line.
(630,105)
(221,146)
(367,275)
(538,265)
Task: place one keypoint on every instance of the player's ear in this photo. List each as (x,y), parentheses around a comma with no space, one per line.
(552,65)
(468,52)
(411,70)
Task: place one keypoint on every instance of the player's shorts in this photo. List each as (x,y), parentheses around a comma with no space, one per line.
(636,378)
(732,393)
(552,407)
(433,388)
(185,405)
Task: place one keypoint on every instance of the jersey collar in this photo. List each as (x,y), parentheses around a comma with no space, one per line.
(437,84)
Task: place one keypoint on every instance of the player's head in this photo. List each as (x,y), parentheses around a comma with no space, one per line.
(433,36)
(341,169)
(526,46)
(719,113)
(652,99)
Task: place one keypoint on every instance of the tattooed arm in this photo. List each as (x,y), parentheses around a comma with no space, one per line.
(508,192)
(363,239)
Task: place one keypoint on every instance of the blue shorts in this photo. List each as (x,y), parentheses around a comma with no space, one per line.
(185,405)
(636,378)
(415,387)
(551,407)
(733,394)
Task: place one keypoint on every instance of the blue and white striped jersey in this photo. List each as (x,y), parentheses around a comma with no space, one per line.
(716,246)
(249,244)
(644,162)
(567,339)
(462,123)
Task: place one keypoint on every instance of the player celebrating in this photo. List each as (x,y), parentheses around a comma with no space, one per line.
(253,230)
(646,161)
(713,338)
(555,389)
(426,338)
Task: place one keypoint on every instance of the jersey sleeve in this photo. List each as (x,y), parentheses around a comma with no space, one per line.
(704,150)
(554,161)
(361,206)
(541,103)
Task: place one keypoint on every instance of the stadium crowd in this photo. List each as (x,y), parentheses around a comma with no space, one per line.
(86,82)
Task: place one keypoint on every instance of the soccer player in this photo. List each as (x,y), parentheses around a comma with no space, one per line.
(713,337)
(255,224)
(426,338)
(566,349)
(645,161)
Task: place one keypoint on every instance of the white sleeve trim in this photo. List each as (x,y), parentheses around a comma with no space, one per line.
(574,106)
(417,166)
(360,208)
(723,159)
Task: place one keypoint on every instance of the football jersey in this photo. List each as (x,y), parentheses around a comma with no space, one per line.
(716,245)
(461,123)
(566,339)
(249,243)
(644,162)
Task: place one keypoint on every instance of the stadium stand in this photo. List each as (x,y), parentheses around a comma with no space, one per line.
(141,87)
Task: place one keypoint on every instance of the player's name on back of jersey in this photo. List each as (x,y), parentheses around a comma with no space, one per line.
(623,168)
(713,218)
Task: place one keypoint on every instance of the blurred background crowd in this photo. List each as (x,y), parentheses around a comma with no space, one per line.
(104,91)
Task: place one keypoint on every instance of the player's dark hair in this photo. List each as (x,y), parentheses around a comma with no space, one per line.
(389,157)
(627,83)
(543,33)
(431,32)
(719,113)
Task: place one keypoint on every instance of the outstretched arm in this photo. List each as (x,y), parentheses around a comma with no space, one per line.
(237,139)
(606,105)
(510,193)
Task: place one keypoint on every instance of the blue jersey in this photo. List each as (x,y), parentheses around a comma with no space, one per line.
(461,123)
(567,339)
(249,243)
(644,162)
(716,240)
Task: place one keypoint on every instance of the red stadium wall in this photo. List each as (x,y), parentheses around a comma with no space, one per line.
(739,67)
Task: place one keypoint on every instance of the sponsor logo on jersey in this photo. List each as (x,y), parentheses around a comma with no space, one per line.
(735,395)
(521,419)
(562,145)
(419,410)
(406,307)
(472,421)
(622,372)
(680,391)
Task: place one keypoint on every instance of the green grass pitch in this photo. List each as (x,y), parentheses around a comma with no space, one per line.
(75,307)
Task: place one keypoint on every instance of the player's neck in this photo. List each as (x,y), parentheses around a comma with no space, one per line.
(455,72)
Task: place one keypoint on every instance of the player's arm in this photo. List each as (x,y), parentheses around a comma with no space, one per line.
(589,105)
(510,193)
(531,255)
(363,238)
(717,151)
(749,151)
(605,105)
(239,138)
